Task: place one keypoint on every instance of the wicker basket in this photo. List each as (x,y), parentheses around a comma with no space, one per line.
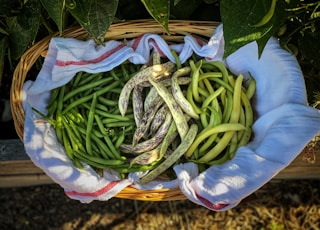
(118,31)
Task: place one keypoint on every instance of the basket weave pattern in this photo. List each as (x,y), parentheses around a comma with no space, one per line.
(118,31)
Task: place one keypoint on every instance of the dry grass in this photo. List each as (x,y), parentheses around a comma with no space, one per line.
(278,205)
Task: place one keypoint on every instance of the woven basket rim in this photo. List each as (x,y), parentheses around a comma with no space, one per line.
(117,31)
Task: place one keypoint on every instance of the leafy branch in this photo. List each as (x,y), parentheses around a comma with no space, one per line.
(22,22)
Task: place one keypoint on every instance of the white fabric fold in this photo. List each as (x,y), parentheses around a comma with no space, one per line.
(279,136)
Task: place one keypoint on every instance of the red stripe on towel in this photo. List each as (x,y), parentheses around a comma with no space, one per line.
(157,47)
(210,205)
(136,43)
(99,192)
(92,61)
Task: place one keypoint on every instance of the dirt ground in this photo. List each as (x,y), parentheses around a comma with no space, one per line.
(277,205)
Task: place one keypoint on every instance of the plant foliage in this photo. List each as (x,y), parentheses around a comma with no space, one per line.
(294,22)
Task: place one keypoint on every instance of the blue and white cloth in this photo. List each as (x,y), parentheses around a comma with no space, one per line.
(284,122)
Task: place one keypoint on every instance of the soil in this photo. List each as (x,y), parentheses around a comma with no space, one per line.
(290,204)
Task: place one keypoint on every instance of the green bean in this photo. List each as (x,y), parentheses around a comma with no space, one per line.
(218,161)
(90,123)
(236,100)
(233,145)
(228,107)
(54,96)
(89,77)
(215,119)
(119,124)
(67,145)
(176,58)
(120,139)
(219,147)
(74,116)
(48,119)
(177,153)
(52,108)
(226,127)
(107,114)
(178,94)
(86,87)
(211,90)
(97,161)
(249,120)
(195,80)
(251,88)
(191,101)
(73,133)
(100,125)
(208,85)
(97,144)
(139,168)
(203,92)
(102,108)
(242,120)
(212,96)
(224,84)
(85,78)
(76,79)
(210,75)
(107,101)
(110,120)
(128,117)
(220,67)
(89,97)
(70,152)
(234,119)
(59,124)
(116,154)
(125,73)
(94,131)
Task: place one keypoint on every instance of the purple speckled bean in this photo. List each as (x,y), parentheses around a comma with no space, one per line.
(154,71)
(152,142)
(137,104)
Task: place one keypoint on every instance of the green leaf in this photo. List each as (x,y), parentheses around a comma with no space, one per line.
(3,48)
(175,2)
(79,9)
(309,47)
(185,9)
(23,28)
(245,21)
(3,31)
(94,16)
(101,16)
(160,11)
(55,9)
(9,8)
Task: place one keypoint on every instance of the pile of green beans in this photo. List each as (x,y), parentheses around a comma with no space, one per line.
(87,121)
(223,105)
(148,118)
